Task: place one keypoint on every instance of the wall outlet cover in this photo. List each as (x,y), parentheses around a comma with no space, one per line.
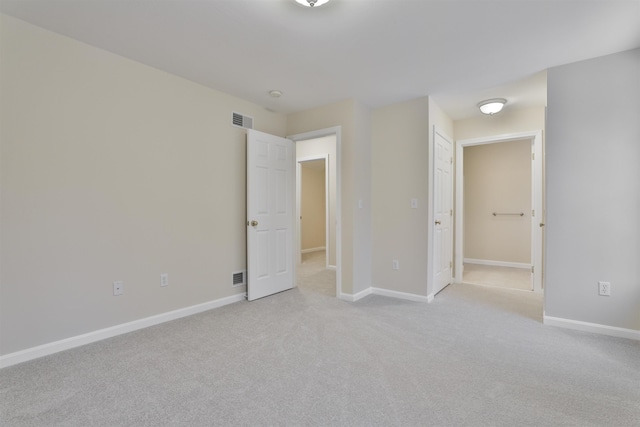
(604,289)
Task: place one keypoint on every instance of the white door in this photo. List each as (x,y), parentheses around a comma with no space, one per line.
(442,198)
(270,214)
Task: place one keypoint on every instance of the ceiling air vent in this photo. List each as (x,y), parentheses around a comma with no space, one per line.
(242,121)
(239,278)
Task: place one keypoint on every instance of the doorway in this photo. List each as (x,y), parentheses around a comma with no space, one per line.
(313,207)
(499,229)
(318,221)
(497,233)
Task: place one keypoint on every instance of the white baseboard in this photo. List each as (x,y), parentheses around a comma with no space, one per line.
(577,325)
(318,249)
(400,295)
(497,263)
(101,334)
(355,297)
(385,293)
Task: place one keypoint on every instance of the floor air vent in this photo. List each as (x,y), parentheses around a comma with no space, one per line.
(242,121)
(239,278)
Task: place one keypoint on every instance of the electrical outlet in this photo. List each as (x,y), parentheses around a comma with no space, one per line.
(164,279)
(118,288)
(604,288)
(395,264)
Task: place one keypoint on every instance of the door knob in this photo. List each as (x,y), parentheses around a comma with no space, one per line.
(542,224)
(254,223)
(438,223)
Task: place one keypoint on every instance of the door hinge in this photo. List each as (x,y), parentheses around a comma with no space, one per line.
(533,156)
(450,212)
(451,160)
(533,212)
(532,269)
(450,264)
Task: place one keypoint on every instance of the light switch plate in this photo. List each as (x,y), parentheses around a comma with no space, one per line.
(118,288)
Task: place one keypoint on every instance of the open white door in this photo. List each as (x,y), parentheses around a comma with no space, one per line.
(270,214)
(443,213)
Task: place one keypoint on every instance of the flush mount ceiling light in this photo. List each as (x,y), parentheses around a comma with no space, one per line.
(312,3)
(492,106)
(275,93)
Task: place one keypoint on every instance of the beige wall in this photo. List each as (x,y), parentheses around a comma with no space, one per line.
(402,141)
(524,120)
(313,205)
(325,146)
(355,175)
(112,170)
(440,119)
(497,178)
(400,152)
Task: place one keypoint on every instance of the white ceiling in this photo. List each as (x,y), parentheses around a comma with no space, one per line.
(376,51)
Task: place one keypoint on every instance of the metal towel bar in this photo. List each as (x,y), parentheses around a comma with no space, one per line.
(518,213)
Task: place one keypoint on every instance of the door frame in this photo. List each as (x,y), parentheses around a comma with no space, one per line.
(337,131)
(299,162)
(536,199)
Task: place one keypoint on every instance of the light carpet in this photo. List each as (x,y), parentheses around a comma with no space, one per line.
(312,274)
(475,356)
(502,277)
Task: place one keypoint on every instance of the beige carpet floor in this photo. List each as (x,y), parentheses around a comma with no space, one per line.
(500,277)
(313,276)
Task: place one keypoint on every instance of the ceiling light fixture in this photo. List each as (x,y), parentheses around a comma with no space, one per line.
(492,106)
(312,3)
(275,93)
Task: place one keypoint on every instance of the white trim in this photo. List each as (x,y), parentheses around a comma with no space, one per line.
(386,293)
(337,131)
(307,251)
(356,297)
(401,295)
(536,198)
(101,334)
(497,263)
(595,328)
(495,287)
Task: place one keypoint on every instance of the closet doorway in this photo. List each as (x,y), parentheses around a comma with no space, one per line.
(499,211)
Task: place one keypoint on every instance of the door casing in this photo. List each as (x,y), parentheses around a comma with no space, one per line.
(337,131)
(536,199)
